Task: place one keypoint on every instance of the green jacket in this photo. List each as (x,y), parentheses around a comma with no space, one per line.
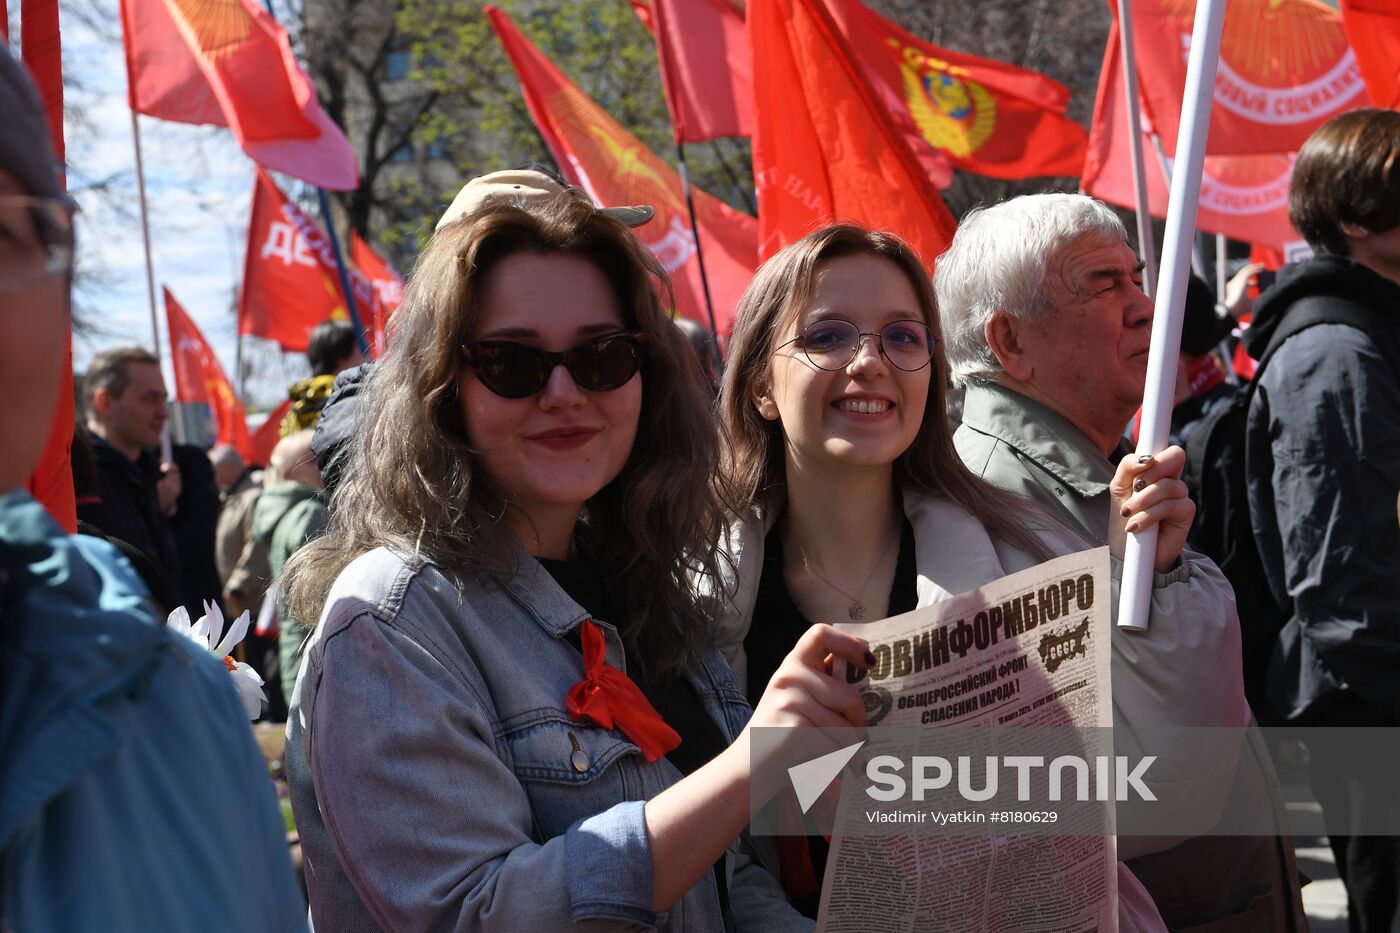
(1019,444)
(286,517)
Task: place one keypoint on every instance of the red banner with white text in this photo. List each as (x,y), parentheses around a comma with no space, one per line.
(386,285)
(290,280)
(1243,197)
(1285,69)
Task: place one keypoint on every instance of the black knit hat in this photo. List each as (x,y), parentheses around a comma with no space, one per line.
(1202,326)
(25,150)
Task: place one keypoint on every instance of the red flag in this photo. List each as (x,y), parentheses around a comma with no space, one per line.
(612,165)
(1243,197)
(267,435)
(51,482)
(199,379)
(290,280)
(384,281)
(706,69)
(1373,26)
(642,8)
(981,115)
(230,64)
(824,147)
(1285,69)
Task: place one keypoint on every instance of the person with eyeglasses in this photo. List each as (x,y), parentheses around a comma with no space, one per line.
(509,715)
(132,795)
(853,504)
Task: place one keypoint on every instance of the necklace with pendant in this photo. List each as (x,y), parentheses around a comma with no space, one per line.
(856,610)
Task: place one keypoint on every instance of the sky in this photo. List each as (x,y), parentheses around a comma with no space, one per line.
(198,189)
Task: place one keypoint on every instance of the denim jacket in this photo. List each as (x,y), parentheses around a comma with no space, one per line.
(440,784)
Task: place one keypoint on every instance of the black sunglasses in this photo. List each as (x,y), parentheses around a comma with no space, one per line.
(517,370)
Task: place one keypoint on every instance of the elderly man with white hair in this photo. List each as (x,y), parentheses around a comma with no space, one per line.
(1047,327)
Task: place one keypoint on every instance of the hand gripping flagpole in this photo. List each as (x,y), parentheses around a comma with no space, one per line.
(1135,598)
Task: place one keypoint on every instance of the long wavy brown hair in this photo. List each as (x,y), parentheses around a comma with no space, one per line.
(412,482)
(779,292)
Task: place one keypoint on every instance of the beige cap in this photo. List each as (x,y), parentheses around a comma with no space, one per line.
(524,185)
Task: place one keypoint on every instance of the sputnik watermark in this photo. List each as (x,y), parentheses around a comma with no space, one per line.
(934,773)
(887,782)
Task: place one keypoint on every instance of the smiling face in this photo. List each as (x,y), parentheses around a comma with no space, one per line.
(548,453)
(868,413)
(1088,357)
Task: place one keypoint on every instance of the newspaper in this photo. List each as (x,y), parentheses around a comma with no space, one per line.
(1030,649)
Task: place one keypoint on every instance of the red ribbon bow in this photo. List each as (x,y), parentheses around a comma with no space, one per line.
(609,698)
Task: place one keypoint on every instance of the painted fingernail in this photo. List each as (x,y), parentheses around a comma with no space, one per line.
(1132,526)
(1145,458)
(1139,485)
(1127,511)
(869,659)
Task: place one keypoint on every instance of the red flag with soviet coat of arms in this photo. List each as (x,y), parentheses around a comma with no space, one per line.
(1285,69)
(1244,197)
(385,283)
(199,379)
(982,116)
(290,280)
(599,155)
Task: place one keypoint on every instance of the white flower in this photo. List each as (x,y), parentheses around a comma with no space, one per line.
(204,633)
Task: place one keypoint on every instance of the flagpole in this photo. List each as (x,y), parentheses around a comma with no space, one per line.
(695,231)
(145,233)
(1146,245)
(1141,547)
(167,455)
(1198,261)
(344,273)
(1222,260)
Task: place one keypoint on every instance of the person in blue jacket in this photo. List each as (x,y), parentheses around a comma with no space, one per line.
(132,795)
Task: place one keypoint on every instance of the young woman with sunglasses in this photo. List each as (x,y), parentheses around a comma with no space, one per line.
(510,716)
(855,505)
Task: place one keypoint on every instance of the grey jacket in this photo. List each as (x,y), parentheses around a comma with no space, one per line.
(1241,883)
(437,778)
(1022,446)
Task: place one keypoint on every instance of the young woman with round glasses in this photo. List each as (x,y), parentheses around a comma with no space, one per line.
(855,505)
(510,716)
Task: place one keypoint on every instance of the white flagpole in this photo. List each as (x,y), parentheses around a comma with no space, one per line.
(165,452)
(1198,263)
(1146,245)
(1222,266)
(1136,595)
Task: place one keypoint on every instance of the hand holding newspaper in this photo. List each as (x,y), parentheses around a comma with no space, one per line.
(1029,650)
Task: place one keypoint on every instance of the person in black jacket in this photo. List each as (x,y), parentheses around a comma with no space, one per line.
(125,401)
(1323,465)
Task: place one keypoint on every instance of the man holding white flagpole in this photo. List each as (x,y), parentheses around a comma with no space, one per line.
(1047,326)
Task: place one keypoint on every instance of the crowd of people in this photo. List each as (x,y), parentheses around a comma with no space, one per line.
(523,587)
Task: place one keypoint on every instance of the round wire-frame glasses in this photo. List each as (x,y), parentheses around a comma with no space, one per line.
(832,343)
